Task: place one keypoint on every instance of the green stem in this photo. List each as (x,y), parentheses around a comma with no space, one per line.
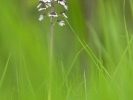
(51,50)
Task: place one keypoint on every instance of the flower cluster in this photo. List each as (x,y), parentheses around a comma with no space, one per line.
(45,6)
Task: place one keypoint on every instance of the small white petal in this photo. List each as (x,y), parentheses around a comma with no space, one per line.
(61,3)
(41,17)
(48,0)
(64,15)
(61,23)
(41,9)
(66,7)
(52,15)
(39,5)
(48,5)
(43,1)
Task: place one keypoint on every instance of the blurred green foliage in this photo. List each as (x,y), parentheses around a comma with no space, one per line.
(97,66)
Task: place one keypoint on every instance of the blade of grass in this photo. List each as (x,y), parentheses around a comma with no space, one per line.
(4,72)
(91,54)
(63,73)
(73,62)
(31,87)
(18,88)
(123,55)
(12,93)
(85,86)
(65,78)
(127,34)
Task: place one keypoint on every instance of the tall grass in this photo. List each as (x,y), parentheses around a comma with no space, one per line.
(92,57)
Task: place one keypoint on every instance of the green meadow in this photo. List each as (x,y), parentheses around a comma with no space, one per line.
(92,53)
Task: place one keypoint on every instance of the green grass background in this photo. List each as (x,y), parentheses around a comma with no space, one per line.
(92,60)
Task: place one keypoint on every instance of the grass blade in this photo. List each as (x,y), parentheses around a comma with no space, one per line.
(4,72)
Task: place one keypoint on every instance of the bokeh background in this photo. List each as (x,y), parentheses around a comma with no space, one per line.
(93,62)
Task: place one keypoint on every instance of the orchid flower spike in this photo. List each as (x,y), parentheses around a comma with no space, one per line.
(44,6)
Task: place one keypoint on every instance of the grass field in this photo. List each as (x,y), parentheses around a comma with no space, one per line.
(92,53)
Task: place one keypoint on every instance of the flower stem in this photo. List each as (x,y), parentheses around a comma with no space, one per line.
(51,32)
(51,50)
(51,39)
